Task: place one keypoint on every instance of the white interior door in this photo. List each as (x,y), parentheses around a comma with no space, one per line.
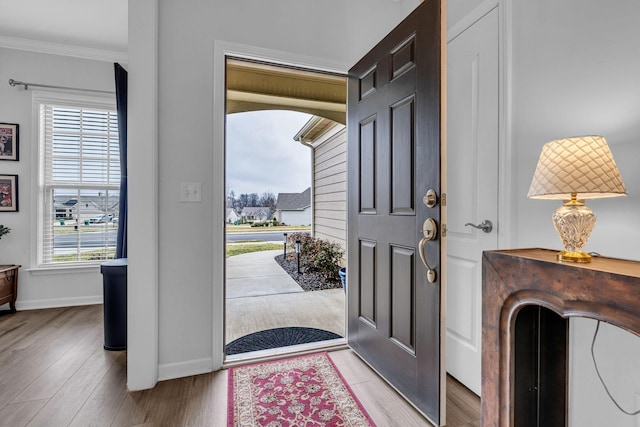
(472,188)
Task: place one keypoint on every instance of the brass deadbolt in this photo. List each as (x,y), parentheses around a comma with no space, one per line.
(430,199)
(430,229)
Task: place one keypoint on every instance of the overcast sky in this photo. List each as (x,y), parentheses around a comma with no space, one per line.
(262,155)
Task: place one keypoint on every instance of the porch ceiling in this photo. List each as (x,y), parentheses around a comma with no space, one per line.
(255,86)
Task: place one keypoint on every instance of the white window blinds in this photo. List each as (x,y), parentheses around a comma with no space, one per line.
(79,184)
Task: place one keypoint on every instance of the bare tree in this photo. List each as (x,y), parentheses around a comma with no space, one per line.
(243,201)
(231,199)
(254,200)
(268,199)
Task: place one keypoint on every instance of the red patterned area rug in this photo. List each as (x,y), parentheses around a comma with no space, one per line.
(301,391)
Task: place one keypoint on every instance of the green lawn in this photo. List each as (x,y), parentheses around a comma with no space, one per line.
(237,249)
(278,228)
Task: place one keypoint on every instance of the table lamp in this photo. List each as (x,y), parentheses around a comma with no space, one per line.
(576,169)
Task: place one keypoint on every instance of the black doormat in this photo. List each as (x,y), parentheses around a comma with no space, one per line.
(278,337)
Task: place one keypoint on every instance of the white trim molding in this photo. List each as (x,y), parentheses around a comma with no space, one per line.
(506,183)
(64,49)
(170,371)
(237,50)
(37,304)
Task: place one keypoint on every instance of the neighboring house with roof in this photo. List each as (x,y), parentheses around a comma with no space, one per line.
(231,216)
(294,208)
(257,213)
(66,209)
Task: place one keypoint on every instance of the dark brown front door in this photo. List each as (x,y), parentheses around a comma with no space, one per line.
(394,104)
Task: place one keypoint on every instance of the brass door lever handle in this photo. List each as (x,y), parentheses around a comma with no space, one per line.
(430,231)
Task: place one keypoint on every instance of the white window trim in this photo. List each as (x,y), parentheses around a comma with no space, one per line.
(39,97)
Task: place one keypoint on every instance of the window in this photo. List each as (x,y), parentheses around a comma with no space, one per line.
(79,180)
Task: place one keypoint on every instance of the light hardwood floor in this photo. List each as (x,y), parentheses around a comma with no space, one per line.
(54,372)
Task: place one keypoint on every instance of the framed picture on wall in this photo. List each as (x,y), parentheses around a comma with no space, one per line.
(8,141)
(8,193)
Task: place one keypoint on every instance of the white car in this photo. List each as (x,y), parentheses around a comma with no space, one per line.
(99,219)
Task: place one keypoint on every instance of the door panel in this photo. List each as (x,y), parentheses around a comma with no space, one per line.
(367,168)
(393,158)
(402,298)
(472,188)
(402,143)
(367,297)
(463,298)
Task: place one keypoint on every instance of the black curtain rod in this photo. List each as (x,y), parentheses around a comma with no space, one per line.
(14,83)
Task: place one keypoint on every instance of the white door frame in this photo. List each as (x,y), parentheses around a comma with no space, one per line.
(221,50)
(506,188)
(506,155)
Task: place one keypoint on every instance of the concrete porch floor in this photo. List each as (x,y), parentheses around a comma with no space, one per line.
(261,295)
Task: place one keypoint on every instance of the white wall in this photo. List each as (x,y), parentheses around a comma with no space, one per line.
(576,68)
(38,289)
(368,21)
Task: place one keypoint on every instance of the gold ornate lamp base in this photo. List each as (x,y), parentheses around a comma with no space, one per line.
(574,256)
(574,222)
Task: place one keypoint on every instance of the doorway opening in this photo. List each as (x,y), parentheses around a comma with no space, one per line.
(284,173)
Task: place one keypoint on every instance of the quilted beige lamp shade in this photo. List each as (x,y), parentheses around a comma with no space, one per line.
(581,165)
(576,169)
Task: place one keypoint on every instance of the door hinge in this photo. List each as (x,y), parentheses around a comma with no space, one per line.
(444,230)
(443,199)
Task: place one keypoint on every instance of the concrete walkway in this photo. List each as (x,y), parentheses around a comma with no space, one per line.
(257,273)
(261,295)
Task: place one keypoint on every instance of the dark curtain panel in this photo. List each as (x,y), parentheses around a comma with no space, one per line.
(121,105)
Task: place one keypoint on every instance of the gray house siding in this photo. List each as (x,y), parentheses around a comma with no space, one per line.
(330,188)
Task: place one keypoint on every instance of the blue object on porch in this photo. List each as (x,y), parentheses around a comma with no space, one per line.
(343,277)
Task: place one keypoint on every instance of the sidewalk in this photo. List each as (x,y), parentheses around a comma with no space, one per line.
(257,273)
(261,295)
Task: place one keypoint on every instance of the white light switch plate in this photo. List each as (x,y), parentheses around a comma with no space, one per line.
(190,192)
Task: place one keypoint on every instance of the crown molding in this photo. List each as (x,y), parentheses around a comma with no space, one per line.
(63,49)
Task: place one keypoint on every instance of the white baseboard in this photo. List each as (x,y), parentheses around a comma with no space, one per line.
(38,304)
(170,371)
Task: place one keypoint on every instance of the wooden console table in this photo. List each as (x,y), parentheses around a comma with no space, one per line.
(606,289)
(9,285)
